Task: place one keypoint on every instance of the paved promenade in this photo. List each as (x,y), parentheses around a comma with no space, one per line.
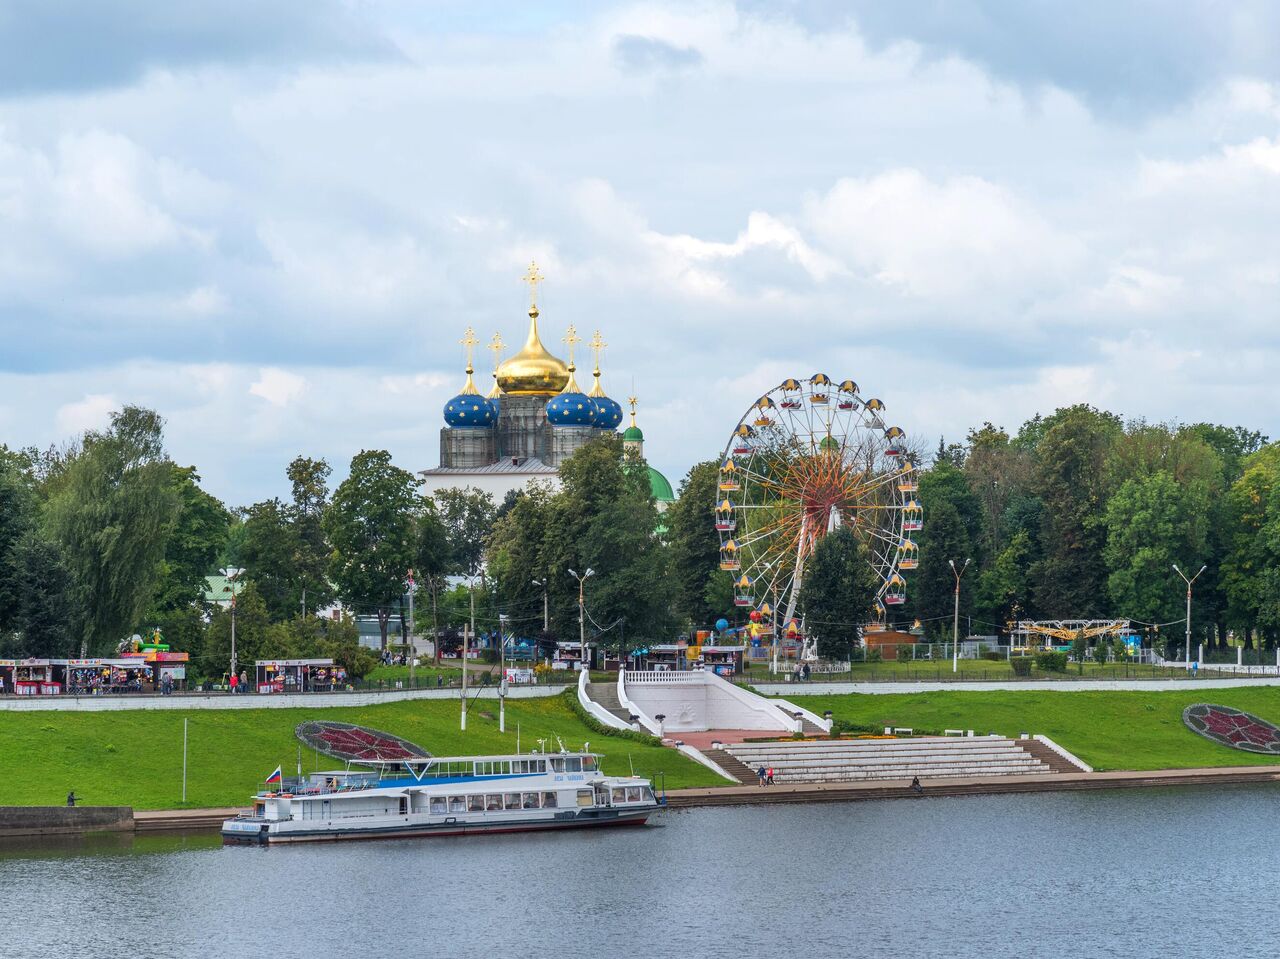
(259,701)
(819,688)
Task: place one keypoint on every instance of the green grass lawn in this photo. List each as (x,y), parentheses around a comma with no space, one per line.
(134,757)
(1108,730)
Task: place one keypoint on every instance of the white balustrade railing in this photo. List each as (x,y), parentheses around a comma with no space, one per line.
(666,676)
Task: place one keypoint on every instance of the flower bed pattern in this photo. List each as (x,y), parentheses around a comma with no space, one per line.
(1233,727)
(357,743)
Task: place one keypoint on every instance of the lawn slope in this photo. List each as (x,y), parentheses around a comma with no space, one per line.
(1109,730)
(134,757)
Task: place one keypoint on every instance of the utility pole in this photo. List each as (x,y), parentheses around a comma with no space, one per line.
(502,672)
(1187,654)
(304,600)
(582,623)
(955,623)
(232,575)
(413,649)
(465,639)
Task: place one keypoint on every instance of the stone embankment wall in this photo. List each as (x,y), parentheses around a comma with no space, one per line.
(64,820)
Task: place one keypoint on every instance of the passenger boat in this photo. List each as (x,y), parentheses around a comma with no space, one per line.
(445,797)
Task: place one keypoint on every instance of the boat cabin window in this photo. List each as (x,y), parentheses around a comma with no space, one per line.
(586,797)
(557,764)
(530,800)
(493,802)
(548,800)
(619,794)
(511,800)
(439,806)
(634,794)
(475,804)
(457,804)
(589,763)
(574,764)
(529,766)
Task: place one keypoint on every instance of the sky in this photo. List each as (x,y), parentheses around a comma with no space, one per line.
(273,222)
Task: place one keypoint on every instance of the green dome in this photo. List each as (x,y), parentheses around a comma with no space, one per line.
(633,434)
(659,485)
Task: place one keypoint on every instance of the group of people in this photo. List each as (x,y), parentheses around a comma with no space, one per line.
(765,775)
(106,679)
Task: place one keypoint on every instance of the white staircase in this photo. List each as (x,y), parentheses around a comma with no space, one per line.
(863,760)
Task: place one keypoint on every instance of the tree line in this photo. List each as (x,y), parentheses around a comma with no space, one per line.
(1078,514)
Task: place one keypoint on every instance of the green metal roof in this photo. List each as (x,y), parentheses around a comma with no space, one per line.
(660,486)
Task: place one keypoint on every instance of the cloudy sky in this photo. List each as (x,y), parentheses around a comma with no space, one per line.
(273,221)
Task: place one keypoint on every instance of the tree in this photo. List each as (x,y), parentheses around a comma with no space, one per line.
(309,479)
(1068,580)
(838,590)
(17,518)
(269,551)
(193,547)
(516,558)
(467,515)
(111,509)
(695,547)
(41,589)
(372,526)
(952,526)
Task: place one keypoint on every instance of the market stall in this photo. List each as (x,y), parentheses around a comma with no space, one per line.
(298,675)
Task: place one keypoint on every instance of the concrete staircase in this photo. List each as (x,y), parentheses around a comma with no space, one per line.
(732,765)
(862,760)
(605,695)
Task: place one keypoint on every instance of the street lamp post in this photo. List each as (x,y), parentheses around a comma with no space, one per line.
(413,652)
(502,672)
(582,624)
(955,622)
(546,608)
(1187,652)
(232,575)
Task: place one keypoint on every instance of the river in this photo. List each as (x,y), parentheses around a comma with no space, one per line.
(1160,873)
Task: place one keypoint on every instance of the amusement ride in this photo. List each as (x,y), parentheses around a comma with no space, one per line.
(807,457)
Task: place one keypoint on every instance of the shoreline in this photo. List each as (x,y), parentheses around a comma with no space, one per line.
(59,819)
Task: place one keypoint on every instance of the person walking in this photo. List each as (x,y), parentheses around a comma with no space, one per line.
(71,798)
(232,683)
(768,776)
(760,774)
(915,785)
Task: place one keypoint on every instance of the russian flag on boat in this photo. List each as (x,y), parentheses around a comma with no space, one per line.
(274,777)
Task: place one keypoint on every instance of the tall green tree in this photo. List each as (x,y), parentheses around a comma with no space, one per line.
(1069,578)
(695,548)
(372,526)
(269,554)
(836,595)
(309,479)
(111,510)
(467,514)
(195,542)
(41,592)
(252,626)
(17,518)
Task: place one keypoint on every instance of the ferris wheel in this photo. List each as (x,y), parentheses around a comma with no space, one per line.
(807,457)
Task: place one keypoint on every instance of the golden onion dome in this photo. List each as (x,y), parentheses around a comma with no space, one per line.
(533,371)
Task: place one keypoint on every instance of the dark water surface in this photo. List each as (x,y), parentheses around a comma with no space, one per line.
(1159,873)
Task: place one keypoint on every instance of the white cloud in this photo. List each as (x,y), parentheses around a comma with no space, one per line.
(90,413)
(278,387)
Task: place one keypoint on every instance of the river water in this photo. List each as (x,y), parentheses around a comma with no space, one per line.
(1159,873)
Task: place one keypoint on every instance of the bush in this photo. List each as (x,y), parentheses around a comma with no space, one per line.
(992,655)
(1100,652)
(488,656)
(1052,662)
(1021,665)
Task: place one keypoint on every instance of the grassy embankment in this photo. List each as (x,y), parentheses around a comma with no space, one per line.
(134,757)
(1109,730)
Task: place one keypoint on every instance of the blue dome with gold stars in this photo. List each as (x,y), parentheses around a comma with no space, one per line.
(571,408)
(470,411)
(608,412)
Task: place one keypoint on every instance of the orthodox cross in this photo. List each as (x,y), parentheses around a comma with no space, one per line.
(533,278)
(597,346)
(497,346)
(570,338)
(632,401)
(469,341)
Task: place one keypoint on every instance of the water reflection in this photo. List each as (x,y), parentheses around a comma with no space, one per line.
(1124,873)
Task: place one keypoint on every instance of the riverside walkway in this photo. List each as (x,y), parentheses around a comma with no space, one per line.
(220,700)
(821,688)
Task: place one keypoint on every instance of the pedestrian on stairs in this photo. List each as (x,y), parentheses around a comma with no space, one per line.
(768,776)
(760,773)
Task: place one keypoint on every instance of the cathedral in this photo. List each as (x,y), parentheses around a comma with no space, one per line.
(534,417)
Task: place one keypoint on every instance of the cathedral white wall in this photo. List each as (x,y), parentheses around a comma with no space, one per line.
(496,485)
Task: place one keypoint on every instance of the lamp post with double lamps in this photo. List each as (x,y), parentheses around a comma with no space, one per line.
(955,622)
(582,624)
(1187,653)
